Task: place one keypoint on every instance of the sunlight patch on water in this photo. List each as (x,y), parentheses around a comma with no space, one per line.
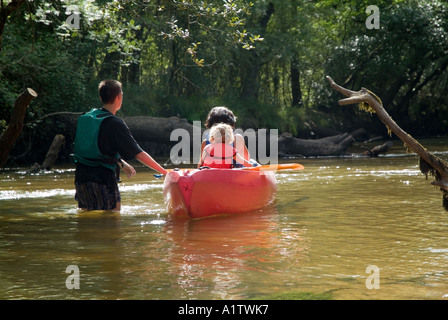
(434,250)
(46,193)
(134,210)
(139,187)
(16,195)
(385,173)
(153,222)
(287,177)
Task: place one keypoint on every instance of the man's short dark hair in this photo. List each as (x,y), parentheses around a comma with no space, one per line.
(109,90)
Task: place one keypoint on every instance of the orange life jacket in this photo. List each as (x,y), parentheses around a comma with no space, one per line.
(219,155)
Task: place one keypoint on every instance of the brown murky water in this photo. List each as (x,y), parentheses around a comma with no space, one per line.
(330,222)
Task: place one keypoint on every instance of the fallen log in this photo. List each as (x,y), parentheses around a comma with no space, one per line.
(377,150)
(336,145)
(157,136)
(329,146)
(152,133)
(429,164)
(156,129)
(15,126)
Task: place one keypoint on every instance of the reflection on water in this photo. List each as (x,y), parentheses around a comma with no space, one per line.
(218,256)
(329,223)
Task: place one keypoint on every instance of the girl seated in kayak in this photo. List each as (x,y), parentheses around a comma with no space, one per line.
(220,153)
(222,114)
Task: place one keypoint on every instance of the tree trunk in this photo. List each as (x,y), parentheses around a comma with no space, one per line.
(296,90)
(15,126)
(429,163)
(110,67)
(250,72)
(131,73)
(53,151)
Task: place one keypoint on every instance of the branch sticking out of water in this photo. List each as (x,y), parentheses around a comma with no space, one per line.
(429,163)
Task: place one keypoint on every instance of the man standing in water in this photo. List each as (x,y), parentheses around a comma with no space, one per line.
(102,141)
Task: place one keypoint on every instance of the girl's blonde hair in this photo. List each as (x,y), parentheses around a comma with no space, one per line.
(221,133)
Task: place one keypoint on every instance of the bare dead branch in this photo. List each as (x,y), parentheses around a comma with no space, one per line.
(429,163)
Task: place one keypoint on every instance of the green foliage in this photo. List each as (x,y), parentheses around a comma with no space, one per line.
(266,60)
(57,78)
(401,62)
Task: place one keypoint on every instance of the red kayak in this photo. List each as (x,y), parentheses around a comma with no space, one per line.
(208,192)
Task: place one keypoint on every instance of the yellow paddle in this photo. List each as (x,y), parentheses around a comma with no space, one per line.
(269,167)
(276,167)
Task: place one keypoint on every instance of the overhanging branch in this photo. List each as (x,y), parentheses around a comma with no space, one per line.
(429,163)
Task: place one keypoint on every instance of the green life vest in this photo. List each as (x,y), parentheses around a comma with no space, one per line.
(86,149)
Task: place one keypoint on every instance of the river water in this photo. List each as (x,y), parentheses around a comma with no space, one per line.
(344,228)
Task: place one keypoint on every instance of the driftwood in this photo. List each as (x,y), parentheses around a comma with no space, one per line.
(147,131)
(15,126)
(53,151)
(377,150)
(52,155)
(156,129)
(335,145)
(329,146)
(429,163)
(154,135)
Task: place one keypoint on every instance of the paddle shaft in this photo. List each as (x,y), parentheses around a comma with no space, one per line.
(269,167)
(276,167)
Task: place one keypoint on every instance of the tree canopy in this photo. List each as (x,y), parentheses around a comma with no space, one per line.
(266,60)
